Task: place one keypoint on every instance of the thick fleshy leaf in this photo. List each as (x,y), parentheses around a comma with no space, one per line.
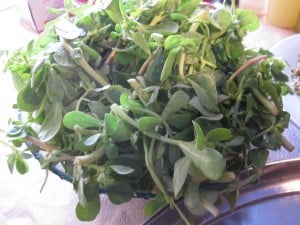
(148,123)
(223,17)
(208,160)
(92,140)
(117,129)
(181,169)
(27,99)
(205,88)
(219,134)
(119,193)
(55,90)
(21,164)
(52,123)
(11,161)
(122,170)
(140,41)
(168,27)
(258,157)
(89,211)
(167,69)
(199,136)
(177,101)
(153,205)
(81,119)
(66,29)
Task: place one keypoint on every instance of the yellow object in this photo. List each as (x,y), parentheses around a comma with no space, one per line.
(283,13)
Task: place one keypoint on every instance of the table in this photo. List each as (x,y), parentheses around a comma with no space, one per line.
(21,201)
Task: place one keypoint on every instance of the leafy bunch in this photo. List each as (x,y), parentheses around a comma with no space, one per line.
(149,96)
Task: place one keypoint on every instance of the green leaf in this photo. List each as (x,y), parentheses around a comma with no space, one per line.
(27,99)
(115,11)
(52,122)
(165,28)
(153,205)
(140,41)
(258,157)
(55,90)
(223,17)
(173,41)
(119,193)
(92,140)
(167,69)
(196,103)
(236,141)
(199,203)
(121,169)
(154,68)
(205,88)
(21,164)
(116,128)
(208,160)
(114,92)
(148,123)
(11,161)
(235,48)
(248,19)
(219,134)
(81,119)
(63,58)
(181,169)
(177,101)
(271,90)
(111,150)
(232,199)
(90,211)
(201,140)
(67,29)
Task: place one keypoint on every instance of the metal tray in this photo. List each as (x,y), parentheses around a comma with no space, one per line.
(274,200)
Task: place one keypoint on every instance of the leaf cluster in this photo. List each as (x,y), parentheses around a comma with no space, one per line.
(149,96)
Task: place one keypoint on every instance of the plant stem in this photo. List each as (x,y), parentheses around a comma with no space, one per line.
(89,158)
(286,144)
(179,211)
(120,113)
(84,65)
(247,64)
(40,144)
(150,167)
(145,65)
(110,57)
(264,101)
(181,63)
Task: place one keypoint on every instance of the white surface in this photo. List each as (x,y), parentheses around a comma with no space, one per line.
(289,49)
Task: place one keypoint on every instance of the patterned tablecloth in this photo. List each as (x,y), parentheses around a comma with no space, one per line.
(21,201)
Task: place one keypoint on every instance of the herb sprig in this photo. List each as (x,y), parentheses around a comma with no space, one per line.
(149,96)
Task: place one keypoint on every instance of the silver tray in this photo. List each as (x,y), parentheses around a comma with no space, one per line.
(274,200)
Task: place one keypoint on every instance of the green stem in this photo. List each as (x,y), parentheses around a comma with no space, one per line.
(90,51)
(181,214)
(120,113)
(80,99)
(150,167)
(89,158)
(162,138)
(264,101)
(181,63)
(85,66)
